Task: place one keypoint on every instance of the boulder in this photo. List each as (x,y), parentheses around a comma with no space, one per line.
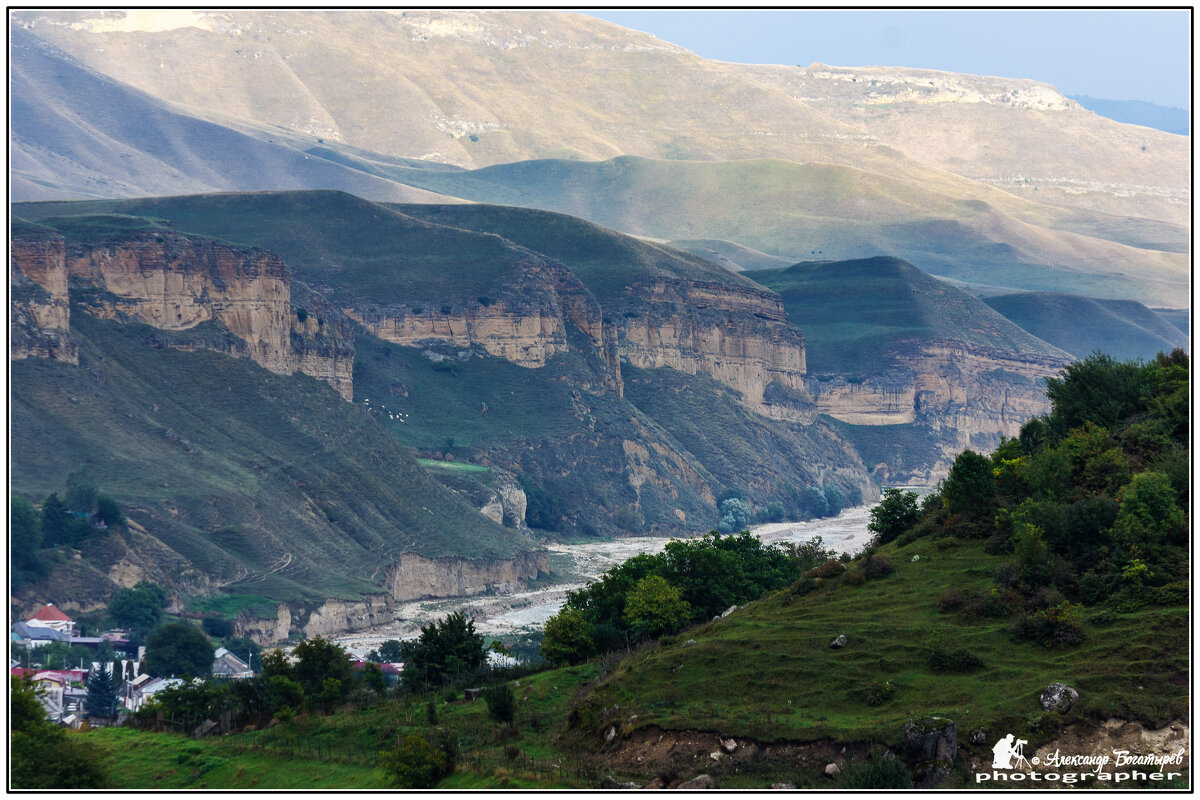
(729,610)
(931,774)
(1058,697)
(916,558)
(728,745)
(930,739)
(839,642)
(699,782)
(832,770)
(610,782)
(610,734)
(783,786)
(689,643)
(979,736)
(657,783)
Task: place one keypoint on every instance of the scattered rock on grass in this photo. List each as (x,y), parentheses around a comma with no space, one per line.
(839,642)
(1058,697)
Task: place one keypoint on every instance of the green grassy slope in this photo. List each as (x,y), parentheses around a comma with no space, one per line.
(780,681)
(1080,325)
(857,314)
(606,261)
(352,247)
(287,492)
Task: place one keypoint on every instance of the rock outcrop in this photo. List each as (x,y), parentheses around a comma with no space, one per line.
(39,311)
(968,396)
(175,282)
(526,323)
(737,335)
(415,577)
(345,616)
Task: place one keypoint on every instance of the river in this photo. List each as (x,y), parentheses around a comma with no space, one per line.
(512,615)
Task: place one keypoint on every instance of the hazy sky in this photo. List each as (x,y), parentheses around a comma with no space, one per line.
(1105,53)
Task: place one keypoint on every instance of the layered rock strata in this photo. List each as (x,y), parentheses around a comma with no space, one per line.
(39,311)
(737,335)
(968,394)
(526,323)
(175,282)
(416,577)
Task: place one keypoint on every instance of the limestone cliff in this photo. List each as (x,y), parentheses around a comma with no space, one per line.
(176,282)
(737,335)
(415,577)
(525,322)
(967,395)
(39,311)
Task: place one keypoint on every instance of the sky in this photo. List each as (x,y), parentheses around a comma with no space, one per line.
(1113,54)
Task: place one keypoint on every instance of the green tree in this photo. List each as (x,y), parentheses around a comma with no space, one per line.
(501,702)
(180,650)
(735,515)
(139,608)
(446,648)
(567,637)
(319,661)
(896,513)
(25,539)
(73,764)
(1147,517)
(109,511)
(391,650)
(1097,389)
(970,487)
(374,680)
(101,699)
(655,607)
(56,522)
(81,491)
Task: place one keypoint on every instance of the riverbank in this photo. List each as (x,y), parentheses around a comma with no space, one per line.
(522,613)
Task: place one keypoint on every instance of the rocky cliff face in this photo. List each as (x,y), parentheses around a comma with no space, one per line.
(970,396)
(737,335)
(526,323)
(176,282)
(415,577)
(39,311)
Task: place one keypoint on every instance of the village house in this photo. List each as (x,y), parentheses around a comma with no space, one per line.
(50,617)
(227,665)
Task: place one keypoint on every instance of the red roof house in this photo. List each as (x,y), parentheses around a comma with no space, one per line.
(50,617)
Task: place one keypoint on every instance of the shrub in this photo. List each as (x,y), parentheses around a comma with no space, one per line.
(1171,594)
(881,770)
(878,567)
(804,586)
(828,569)
(501,703)
(951,600)
(1095,587)
(946,543)
(1057,626)
(854,577)
(416,764)
(960,660)
(879,693)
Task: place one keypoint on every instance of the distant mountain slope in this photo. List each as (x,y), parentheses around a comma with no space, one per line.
(732,255)
(945,226)
(864,312)
(76,133)
(1138,112)
(1080,325)
(471,87)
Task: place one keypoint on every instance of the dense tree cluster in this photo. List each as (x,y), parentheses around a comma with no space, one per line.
(691,580)
(82,512)
(1089,502)
(446,648)
(43,755)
